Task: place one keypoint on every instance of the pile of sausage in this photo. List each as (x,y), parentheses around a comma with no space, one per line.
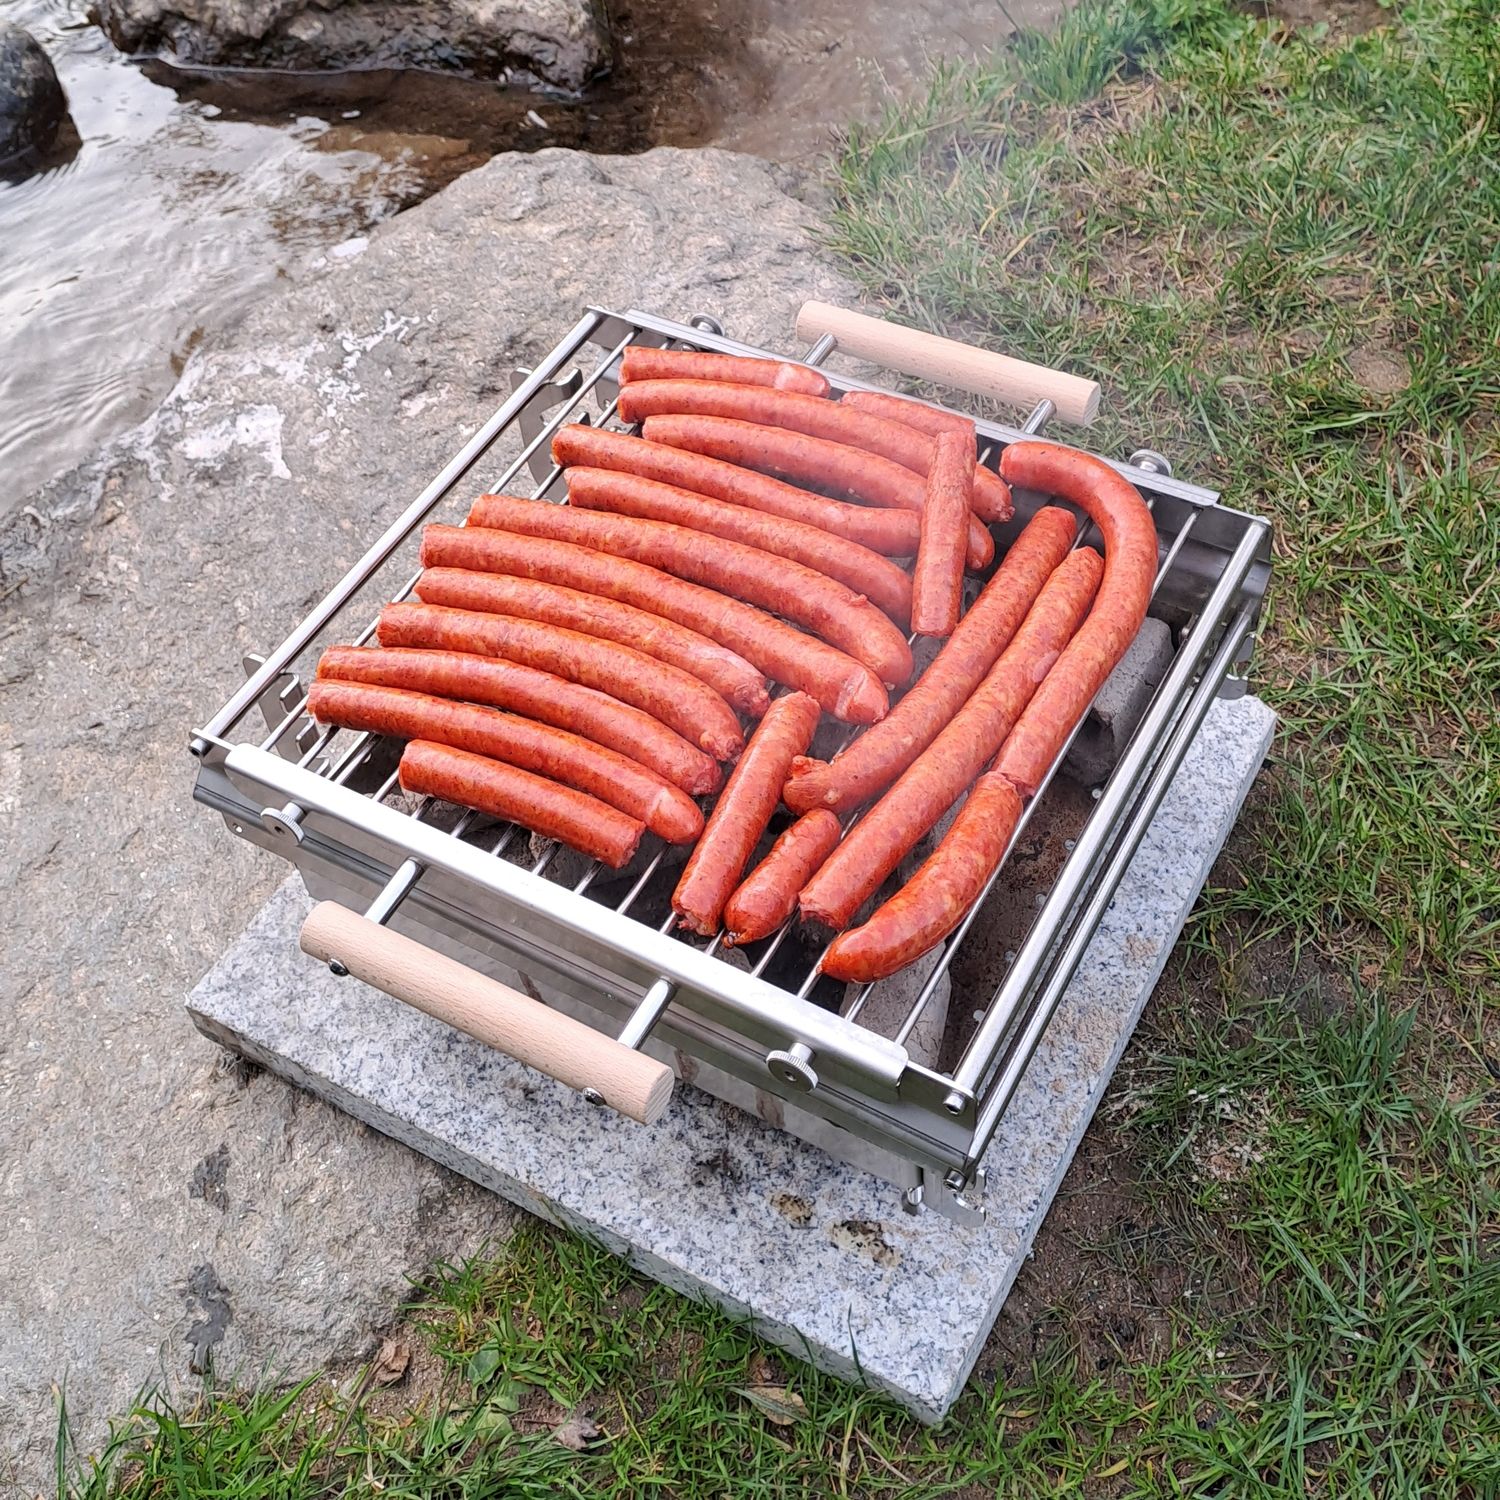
(587,671)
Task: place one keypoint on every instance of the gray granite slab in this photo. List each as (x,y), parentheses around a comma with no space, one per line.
(817,1255)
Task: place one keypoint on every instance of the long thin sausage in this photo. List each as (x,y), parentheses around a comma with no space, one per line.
(542,696)
(933,902)
(808,460)
(640,362)
(813,600)
(515,796)
(877,578)
(729,675)
(842,685)
(554,753)
(898,441)
(878,756)
(1116,507)
(740,815)
(992,498)
(935,781)
(892,533)
(768,895)
(694,710)
(938,578)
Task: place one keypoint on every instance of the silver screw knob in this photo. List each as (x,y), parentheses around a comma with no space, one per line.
(791,1066)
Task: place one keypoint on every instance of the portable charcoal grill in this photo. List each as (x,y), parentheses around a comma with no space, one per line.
(597,944)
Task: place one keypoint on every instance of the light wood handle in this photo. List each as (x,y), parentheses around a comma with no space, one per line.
(909,351)
(636,1085)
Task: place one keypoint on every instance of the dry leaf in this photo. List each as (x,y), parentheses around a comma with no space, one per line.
(782,1406)
(762,1371)
(390,1363)
(579,1432)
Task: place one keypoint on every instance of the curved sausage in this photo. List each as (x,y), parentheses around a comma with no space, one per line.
(740,815)
(874,760)
(900,442)
(730,676)
(937,583)
(554,753)
(842,685)
(538,695)
(877,578)
(892,533)
(768,895)
(641,362)
(695,711)
(1116,507)
(808,460)
(786,588)
(992,499)
(515,796)
(935,781)
(933,902)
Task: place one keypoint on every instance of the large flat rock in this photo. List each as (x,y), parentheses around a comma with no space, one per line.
(152,1201)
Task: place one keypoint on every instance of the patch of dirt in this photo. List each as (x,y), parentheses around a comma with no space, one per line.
(1382,371)
(1342,17)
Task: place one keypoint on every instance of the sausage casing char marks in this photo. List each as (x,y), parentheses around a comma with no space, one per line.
(768,895)
(892,533)
(933,902)
(879,755)
(742,812)
(938,578)
(514,796)
(542,696)
(787,588)
(845,687)
(938,777)
(1115,506)
(641,362)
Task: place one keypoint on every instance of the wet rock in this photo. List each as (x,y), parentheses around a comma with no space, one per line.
(562,43)
(32,103)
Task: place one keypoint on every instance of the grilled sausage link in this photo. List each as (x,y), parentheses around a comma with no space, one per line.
(538,695)
(934,782)
(842,685)
(680,701)
(554,753)
(938,578)
(515,796)
(877,578)
(835,467)
(740,815)
(874,760)
(787,588)
(729,675)
(768,895)
(934,901)
(1116,508)
(892,533)
(641,362)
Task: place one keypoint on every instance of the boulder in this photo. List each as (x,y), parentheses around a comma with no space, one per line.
(561,43)
(32,103)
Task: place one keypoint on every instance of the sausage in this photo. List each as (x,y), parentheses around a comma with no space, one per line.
(643,363)
(808,460)
(842,685)
(892,533)
(695,711)
(937,778)
(769,893)
(897,441)
(538,695)
(992,499)
(933,902)
(515,796)
(1116,507)
(740,815)
(937,585)
(877,578)
(786,588)
(874,760)
(554,753)
(730,676)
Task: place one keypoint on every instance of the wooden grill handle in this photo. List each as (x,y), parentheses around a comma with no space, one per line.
(628,1081)
(909,351)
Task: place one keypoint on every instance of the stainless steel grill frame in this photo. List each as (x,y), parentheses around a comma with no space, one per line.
(486,895)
